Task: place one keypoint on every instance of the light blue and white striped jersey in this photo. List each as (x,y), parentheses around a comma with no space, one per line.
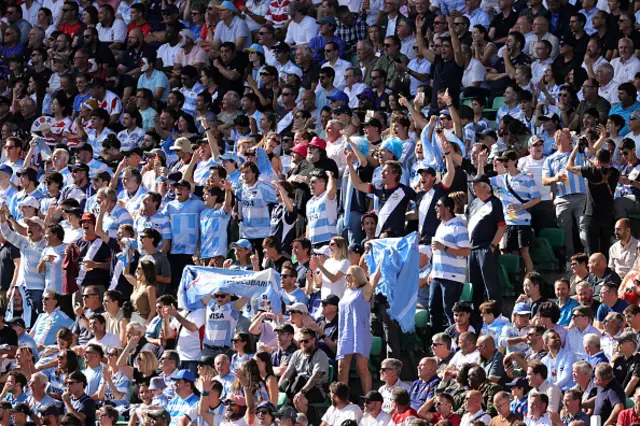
(190,96)
(504,110)
(453,234)
(159,221)
(469,134)
(523,185)
(96,166)
(46,400)
(556,164)
(254,209)
(7,196)
(92,205)
(198,420)
(129,140)
(213,232)
(53,275)
(30,252)
(185,218)
(122,384)
(96,141)
(178,407)
(234,178)
(408,157)
(48,325)
(132,203)
(220,324)
(202,173)
(322,218)
(112,220)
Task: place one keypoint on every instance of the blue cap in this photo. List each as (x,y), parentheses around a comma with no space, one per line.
(367,93)
(243,243)
(255,47)
(522,309)
(227,5)
(339,96)
(6,169)
(328,20)
(185,375)
(232,157)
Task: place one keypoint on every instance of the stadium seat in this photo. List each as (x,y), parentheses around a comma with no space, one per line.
(509,266)
(630,403)
(543,255)
(326,403)
(376,346)
(282,399)
(422,318)
(498,102)
(466,101)
(467,292)
(555,236)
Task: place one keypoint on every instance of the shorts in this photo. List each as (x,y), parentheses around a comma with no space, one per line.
(517,237)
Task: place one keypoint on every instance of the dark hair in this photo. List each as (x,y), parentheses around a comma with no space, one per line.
(57,230)
(114,295)
(448,203)
(630,89)
(536,278)
(135,114)
(329,72)
(549,310)
(78,376)
(339,389)
(154,234)
(626,143)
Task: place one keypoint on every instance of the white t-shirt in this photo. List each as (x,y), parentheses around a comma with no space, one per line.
(335,416)
(459,359)
(168,54)
(474,72)
(339,286)
(116,32)
(534,168)
(383,419)
(303,32)
(108,341)
(189,347)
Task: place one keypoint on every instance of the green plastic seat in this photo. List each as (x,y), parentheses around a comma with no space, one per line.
(466,101)
(510,262)
(633,216)
(555,236)
(467,292)
(498,102)
(422,318)
(376,346)
(282,399)
(507,286)
(543,255)
(326,403)
(630,403)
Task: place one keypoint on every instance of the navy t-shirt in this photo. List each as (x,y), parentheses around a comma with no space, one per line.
(396,217)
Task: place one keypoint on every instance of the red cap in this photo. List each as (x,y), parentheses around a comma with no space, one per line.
(319,142)
(89,217)
(300,149)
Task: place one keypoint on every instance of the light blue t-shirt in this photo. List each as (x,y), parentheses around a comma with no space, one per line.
(157,79)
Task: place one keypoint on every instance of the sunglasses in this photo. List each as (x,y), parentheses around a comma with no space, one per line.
(220,296)
(86,296)
(237,340)
(305,341)
(262,412)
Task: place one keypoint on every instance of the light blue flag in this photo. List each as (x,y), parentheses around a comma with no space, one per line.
(200,281)
(26,306)
(399,262)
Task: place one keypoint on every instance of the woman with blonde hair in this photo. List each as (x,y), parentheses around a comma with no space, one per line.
(144,283)
(354,336)
(331,275)
(145,364)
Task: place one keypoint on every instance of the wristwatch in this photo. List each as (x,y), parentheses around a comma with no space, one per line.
(493,246)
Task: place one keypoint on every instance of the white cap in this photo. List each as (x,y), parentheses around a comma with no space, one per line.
(425,249)
(295,70)
(35,220)
(298,306)
(187,33)
(29,201)
(324,250)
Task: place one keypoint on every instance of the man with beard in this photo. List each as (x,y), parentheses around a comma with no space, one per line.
(306,374)
(81,188)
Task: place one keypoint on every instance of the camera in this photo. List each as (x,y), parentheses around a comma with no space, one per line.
(583,144)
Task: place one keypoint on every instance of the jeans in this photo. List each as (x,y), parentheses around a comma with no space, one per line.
(569,210)
(352,233)
(625,205)
(483,275)
(444,293)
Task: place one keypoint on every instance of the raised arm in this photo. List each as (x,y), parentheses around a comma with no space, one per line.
(571,164)
(455,43)
(422,46)
(370,287)
(355,179)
